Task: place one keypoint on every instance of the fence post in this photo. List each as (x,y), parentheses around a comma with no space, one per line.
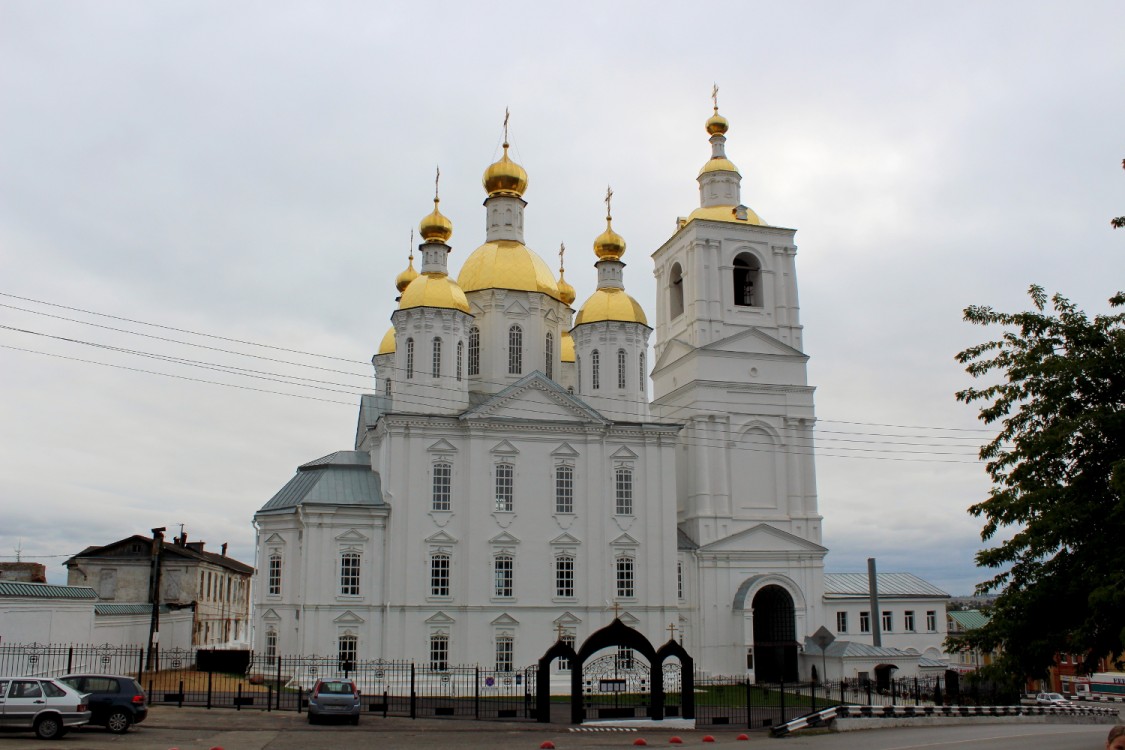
(69,659)
(413,695)
(209,673)
(300,699)
(181,693)
(476,692)
(269,697)
(917,693)
(749,702)
(869,692)
(781,698)
(894,693)
(813,690)
(278,682)
(141,666)
(238,697)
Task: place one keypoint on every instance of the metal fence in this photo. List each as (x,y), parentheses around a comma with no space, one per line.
(402,688)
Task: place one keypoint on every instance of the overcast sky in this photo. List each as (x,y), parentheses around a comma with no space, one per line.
(253,171)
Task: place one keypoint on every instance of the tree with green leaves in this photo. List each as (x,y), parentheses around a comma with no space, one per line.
(1056,511)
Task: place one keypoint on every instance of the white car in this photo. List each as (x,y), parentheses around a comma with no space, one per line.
(1052,699)
(47,707)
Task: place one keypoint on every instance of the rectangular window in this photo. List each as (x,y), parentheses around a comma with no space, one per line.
(504,494)
(564,577)
(347,649)
(888,621)
(271,645)
(349,574)
(841,622)
(679,579)
(515,350)
(504,652)
(624,492)
(564,663)
(931,621)
(274,586)
(564,489)
(439,652)
(908,621)
(439,575)
(436,371)
(865,622)
(503,567)
(409,358)
(443,481)
(625,578)
(621,369)
(624,657)
(474,351)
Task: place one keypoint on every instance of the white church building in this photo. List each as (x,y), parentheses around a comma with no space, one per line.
(511,482)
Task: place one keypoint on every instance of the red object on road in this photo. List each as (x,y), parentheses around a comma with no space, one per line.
(708,738)
(640,741)
(548,745)
(742,737)
(675,741)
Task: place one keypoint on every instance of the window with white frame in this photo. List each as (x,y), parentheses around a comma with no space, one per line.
(595,374)
(515,350)
(564,663)
(888,621)
(409,359)
(564,576)
(908,621)
(621,368)
(439,651)
(505,495)
(347,648)
(549,354)
(841,622)
(504,653)
(273,587)
(349,574)
(503,567)
(439,574)
(865,622)
(460,356)
(443,485)
(437,358)
(271,644)
(931,620)
(623,491)
(641,374)
(679,579)
(625,578)
(474,351)
(564,489)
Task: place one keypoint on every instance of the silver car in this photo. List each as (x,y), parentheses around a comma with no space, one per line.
(47,707)
(334,698)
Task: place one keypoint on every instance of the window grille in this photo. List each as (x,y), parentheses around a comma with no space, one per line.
(624,492)
(595,375)
(621,369)
(474,351)
(275,576)
(443,482)
(504,654)
(437,358)
(564,576)
(564,489)
(515,350)
(549,355)
(504,569)
(439,652)
(409,359)
(625,578)
(349,574)
(504,488)
(439,575)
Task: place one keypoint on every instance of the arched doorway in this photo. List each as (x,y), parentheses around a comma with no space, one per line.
(775,635)
(884,673)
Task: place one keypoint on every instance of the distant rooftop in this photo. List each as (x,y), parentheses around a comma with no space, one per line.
(340,478)
(969,619)
(891,585)
(45,591)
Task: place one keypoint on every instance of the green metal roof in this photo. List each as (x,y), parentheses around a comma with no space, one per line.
(128,609)
(45,591)
(969,619)
(340,478)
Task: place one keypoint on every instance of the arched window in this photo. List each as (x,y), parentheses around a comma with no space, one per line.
(515,350)
(747,281)
(460,356)
(676,291)
(564,489)
(595,375)
(641,375)
(564,576)
(623,491)
(504,567)
(437,358)
(443,484)
(349,574)
(549,354)
(474,351)
(274,585)
(439,574)
(409,359)
(347,649)
(621,369)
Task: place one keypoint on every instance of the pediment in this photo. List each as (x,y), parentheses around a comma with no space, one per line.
(442,446)
(625,541)
(271,615)
(550,317)
(763,538)
(504,448)
(275,538)
(623,453)
(628,619)
(566,618)
(673,350)
(351,535)
(535,397)
(503,538)
(440,537)
(505,619)
(565,450)
(516,307)
(565,539)
(440,618)
(752,341)
(349,618)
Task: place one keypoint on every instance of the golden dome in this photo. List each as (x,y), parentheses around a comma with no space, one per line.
(726,213)
(507,264)
(611,304)
(718,164)
(403,279)
(434,290)
(566,347)
(717,124)
(387,345)
(505,177)
(609,245)
(435,227)
(566,291)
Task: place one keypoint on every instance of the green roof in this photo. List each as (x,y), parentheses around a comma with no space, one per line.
(969,619)
(45,591)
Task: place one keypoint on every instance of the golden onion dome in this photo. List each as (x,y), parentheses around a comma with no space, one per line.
(717,124)
(505,177)
(566,291)
(611,304)
(718,164)
(566,348)
(507,264)
(435,227)
(434,290)
(609,245)
(387,345)
(733,214)
(403,279)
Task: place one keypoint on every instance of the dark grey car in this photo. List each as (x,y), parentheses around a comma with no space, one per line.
(334,698)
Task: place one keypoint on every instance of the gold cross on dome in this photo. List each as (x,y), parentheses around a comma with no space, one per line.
(562,252)
(608,200)
(437,178)
(411,243)
(715,96)
(505,126)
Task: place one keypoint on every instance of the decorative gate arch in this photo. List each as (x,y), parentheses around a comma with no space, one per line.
(620,635)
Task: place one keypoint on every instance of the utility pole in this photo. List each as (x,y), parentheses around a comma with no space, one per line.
(154,589)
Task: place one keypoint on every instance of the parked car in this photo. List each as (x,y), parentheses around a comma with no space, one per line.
(334,698)
(116,702)
(47,707)
(1051,699)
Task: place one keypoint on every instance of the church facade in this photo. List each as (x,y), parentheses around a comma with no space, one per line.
(511,483)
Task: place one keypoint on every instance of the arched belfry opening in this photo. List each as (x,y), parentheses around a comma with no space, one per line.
(676,291)
(775,635)
(624,639)
(747,281)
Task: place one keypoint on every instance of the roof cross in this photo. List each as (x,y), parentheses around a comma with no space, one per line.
(608,201)
(437,178)
(715,96)
(562,252)
(505,127)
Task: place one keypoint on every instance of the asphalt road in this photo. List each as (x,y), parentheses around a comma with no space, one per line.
(199,729)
